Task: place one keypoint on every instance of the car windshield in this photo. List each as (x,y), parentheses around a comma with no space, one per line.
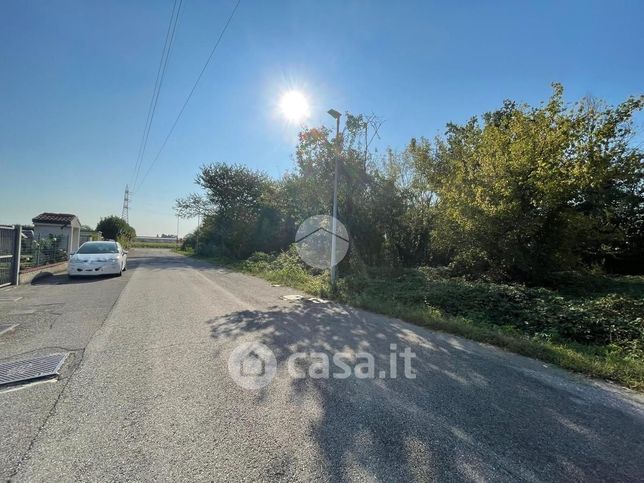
(107,247)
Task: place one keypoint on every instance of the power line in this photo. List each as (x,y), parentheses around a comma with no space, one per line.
(163,62)
(194,87)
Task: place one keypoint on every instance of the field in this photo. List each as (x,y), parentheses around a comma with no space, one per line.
(152,245)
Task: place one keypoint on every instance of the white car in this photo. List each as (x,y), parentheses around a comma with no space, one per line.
(98,258)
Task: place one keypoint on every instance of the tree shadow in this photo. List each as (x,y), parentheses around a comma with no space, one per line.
(471,412)
(63,279)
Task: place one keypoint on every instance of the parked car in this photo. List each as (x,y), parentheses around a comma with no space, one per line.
(98,258)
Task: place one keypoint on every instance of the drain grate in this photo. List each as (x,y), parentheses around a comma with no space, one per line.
(36,368)
(7,327)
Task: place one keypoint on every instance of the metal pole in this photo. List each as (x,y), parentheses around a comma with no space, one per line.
(334,271)
(17,245)
(366,144)
(177,231)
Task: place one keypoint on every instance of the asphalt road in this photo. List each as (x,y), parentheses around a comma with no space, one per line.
(147,393)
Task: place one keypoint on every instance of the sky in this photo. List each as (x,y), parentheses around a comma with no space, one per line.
(76,78)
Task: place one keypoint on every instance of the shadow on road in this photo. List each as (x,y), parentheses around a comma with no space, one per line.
(63,279)
(467,411)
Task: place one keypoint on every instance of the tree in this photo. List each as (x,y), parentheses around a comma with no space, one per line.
(529,191)
(517,193)
(369,202)
(115,228)
(192,206)
(240,211)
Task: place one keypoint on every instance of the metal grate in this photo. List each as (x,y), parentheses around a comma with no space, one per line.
(36,368)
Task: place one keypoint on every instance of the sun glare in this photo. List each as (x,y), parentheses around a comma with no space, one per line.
(294,106)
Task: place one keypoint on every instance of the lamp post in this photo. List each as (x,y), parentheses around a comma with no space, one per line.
(334,272)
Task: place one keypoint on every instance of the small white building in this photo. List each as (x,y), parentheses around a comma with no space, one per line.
(62,226)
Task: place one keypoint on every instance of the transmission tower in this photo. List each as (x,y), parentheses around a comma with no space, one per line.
(126,205)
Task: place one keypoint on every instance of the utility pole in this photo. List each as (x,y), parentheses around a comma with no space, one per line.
(126,205)
(366,144)
(334,272)
(375,124)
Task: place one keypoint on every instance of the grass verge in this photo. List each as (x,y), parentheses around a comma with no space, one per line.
(590,325)
(152,245)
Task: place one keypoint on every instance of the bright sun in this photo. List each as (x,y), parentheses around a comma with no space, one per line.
(294,106)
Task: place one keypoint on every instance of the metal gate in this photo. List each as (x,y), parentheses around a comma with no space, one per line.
(7,250)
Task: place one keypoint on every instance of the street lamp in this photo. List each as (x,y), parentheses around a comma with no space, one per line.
(334,272)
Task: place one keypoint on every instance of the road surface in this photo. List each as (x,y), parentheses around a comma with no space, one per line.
(147,395)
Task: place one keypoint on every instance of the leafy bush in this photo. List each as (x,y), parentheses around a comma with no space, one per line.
(287,269)
(115,228)
(599,320)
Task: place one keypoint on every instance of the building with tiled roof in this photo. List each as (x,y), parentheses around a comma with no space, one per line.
(54,218)
(65,228)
